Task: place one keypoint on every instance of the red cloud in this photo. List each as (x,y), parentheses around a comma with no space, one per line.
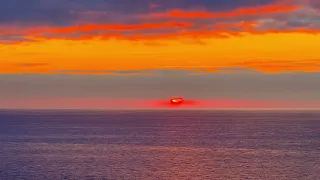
(116,27)
(272,8)
(220,31)
(241,25)
(204,34)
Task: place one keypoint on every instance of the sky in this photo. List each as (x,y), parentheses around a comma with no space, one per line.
(139,53)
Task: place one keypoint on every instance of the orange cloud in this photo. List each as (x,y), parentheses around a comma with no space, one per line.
(198,34)
(220,30)
(209,48)
(310,65)
(266,9)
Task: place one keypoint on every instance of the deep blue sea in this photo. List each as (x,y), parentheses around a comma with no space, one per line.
(160,144)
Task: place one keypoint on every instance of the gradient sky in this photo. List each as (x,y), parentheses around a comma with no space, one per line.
(134,53)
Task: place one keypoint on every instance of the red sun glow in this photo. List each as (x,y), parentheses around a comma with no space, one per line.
(176,100)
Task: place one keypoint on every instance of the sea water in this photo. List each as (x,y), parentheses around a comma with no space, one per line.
(160,144)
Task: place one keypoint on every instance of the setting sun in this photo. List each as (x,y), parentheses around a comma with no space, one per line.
(176,101)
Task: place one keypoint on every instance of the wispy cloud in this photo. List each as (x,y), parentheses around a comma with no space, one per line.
(246,11)
(110,27)
(32,64)
(312,65)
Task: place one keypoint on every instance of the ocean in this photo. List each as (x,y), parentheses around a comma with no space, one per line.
(159,144)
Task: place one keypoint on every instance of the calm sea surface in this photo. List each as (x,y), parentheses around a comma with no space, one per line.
(160,144)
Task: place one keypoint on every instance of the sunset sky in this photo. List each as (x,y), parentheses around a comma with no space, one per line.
(136,53)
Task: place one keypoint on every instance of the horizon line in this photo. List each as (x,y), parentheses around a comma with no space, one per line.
(140,109)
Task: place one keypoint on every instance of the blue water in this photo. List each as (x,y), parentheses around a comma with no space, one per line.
(160,144)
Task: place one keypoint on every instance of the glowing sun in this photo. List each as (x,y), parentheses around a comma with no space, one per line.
(176,100)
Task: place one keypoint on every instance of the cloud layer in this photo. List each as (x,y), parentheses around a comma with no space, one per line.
(137,19)
(103,37)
